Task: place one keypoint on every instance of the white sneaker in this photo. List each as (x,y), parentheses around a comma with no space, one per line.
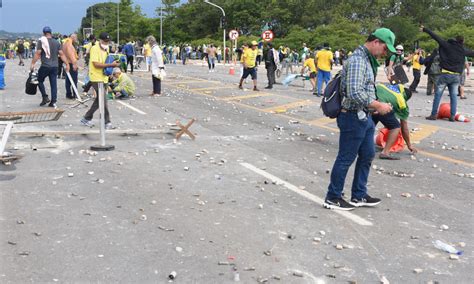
(86,122)
(109,126)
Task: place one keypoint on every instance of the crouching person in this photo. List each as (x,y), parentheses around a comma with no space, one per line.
(397,96)
(123,86)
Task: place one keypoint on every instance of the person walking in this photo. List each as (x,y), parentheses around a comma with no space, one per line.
(272,59)
(452,55)
(48,50)
(249,59)
(324,59)
(20,51)
(211,57)
(416,59)
(356,138)
(157,65)
(71,54)
(432,69)
(129,52)
(98,55)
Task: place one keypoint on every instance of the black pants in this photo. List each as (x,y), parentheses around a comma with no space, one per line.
(156,85)
(271,74)
(416,80)
(95,105)
(60,68)
(129,61)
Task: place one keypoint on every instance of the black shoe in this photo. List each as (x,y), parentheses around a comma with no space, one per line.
(452,118)
(431,117)
(240,87)
(123,97)
(268,87)
(44,101)
(53,105)
(367,201)
(338,204)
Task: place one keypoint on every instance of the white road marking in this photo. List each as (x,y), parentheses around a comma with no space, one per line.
(131,107)
(357,219)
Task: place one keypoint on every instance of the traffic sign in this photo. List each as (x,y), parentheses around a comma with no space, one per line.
(233,34)
(267,35)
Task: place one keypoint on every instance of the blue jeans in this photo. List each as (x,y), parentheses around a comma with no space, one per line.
(52,73)
(73,73)
(323,76)
(452,81)
(356,140)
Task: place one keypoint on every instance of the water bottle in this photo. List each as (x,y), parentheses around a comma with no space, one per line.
(447,248)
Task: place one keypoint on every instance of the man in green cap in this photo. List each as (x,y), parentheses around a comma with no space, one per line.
(356,126)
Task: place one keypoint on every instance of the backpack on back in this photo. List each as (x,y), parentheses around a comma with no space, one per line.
(331,103)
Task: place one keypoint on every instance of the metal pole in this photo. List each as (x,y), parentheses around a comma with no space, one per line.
(223,13)
(161,24)
(92,18)
(118,23)
(102,146)
(102,115)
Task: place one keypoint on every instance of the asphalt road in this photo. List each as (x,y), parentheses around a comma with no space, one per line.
(241,202)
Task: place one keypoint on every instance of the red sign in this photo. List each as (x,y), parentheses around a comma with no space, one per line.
(267,35)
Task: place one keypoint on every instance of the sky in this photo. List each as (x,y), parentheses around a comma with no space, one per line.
(63,16)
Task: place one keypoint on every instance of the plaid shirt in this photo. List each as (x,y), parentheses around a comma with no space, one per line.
(358,81)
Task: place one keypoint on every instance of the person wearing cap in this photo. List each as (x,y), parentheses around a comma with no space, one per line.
(157,65)
(249,60)
(272,59)
(98,55)
(123,86)
(452,55)
(48,50)
(356,126)
(397,96)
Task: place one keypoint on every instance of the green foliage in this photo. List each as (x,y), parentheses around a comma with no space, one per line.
(341,23)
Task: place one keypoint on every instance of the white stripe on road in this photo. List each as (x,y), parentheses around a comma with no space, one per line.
(307,195)
(131,107)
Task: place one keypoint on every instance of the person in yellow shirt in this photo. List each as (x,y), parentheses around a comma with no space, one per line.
(309,63)
(98,55)
(417,57)
(249,59)
(324,59)
(71,54)
(147,54)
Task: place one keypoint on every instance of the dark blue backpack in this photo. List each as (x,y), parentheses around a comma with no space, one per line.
(331,103)
(109,70)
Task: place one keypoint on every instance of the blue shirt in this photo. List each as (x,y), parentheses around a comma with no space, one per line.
(358,81)
(128,50)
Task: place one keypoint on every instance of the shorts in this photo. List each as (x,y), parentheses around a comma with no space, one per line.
(388,120)
(313,75)
(148,60)
(250,71)
(463,78)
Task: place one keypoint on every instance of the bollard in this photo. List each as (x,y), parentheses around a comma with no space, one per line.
(103,146)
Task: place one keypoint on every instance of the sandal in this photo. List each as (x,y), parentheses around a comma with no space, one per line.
(388,157)
(463,97)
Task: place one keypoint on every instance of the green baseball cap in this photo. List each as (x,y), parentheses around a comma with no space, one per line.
(386,36)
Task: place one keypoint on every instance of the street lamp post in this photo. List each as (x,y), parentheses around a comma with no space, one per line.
(223,13)
(161,24)
(118,23)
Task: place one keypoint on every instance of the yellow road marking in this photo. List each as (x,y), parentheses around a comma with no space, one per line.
(322,124)
(238,98)
(213,88)
(285,107)
(448,159)
(445,129)
(323,121)
(425,131)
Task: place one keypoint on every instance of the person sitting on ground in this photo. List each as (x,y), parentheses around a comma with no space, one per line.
(397,96)
(123,86)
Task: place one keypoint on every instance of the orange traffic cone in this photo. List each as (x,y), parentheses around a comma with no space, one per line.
(445,112)
(381,140)
(461,118)
(231,70)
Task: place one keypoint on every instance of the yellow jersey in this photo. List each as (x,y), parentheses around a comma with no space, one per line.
(147,50)
(250,57)
(97,54)
(324,58)
(310,64)
(416,62)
